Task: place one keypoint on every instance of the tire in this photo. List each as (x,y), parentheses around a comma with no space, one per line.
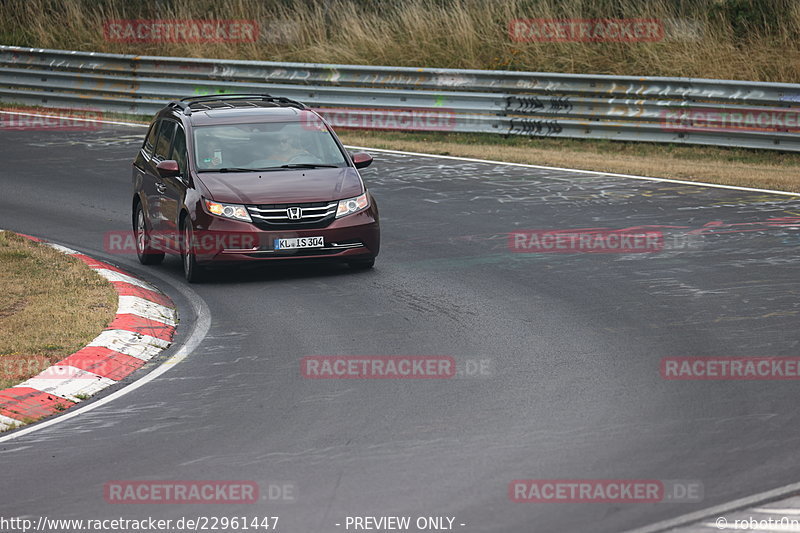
(362,264)
(193,272)
(144,250)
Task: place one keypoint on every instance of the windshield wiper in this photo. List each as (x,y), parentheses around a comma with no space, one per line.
(266,169)
(229,169)
(306,165)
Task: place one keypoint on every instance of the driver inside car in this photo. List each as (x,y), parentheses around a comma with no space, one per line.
(209,154)
(291,154)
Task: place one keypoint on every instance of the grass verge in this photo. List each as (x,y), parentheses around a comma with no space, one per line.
(52,306)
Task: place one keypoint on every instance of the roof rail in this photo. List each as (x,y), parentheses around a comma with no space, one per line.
(185,104)
(182,106)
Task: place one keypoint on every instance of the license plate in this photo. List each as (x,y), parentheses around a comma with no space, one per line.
(299,242)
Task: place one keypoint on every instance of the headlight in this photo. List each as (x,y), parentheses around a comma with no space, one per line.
(352,205)
(234,211)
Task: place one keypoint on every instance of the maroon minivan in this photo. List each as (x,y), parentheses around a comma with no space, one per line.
(239,178)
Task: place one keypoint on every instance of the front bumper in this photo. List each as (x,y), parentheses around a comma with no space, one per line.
(219,240)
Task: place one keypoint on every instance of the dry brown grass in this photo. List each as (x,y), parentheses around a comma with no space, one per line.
(746,168)
(53,305)
(736,39)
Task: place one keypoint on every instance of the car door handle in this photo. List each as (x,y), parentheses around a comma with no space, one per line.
(160,187)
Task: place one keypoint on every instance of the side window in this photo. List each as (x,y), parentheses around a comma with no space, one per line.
(164,140)
(150,140)
(179,150)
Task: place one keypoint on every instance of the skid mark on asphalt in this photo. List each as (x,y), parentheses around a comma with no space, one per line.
(429,303)
(326,397)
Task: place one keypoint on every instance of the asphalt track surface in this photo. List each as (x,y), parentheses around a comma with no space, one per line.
(573,343)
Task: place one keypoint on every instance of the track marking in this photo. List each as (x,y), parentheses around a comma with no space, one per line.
(112,275)
(130,343)
(68,382)
(134,305)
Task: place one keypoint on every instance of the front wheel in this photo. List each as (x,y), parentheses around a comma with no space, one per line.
(191,270)
(144,246)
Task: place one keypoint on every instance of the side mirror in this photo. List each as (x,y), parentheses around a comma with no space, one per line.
(361,159)
(168,168)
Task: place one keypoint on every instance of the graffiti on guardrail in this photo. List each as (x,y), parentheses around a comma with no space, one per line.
(619,107)
(526,104)
(542,128)
(535,104)
(560,103)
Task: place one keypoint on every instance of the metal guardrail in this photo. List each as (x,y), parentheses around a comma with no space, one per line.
(678,110)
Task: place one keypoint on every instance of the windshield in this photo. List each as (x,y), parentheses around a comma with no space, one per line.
(269,145)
